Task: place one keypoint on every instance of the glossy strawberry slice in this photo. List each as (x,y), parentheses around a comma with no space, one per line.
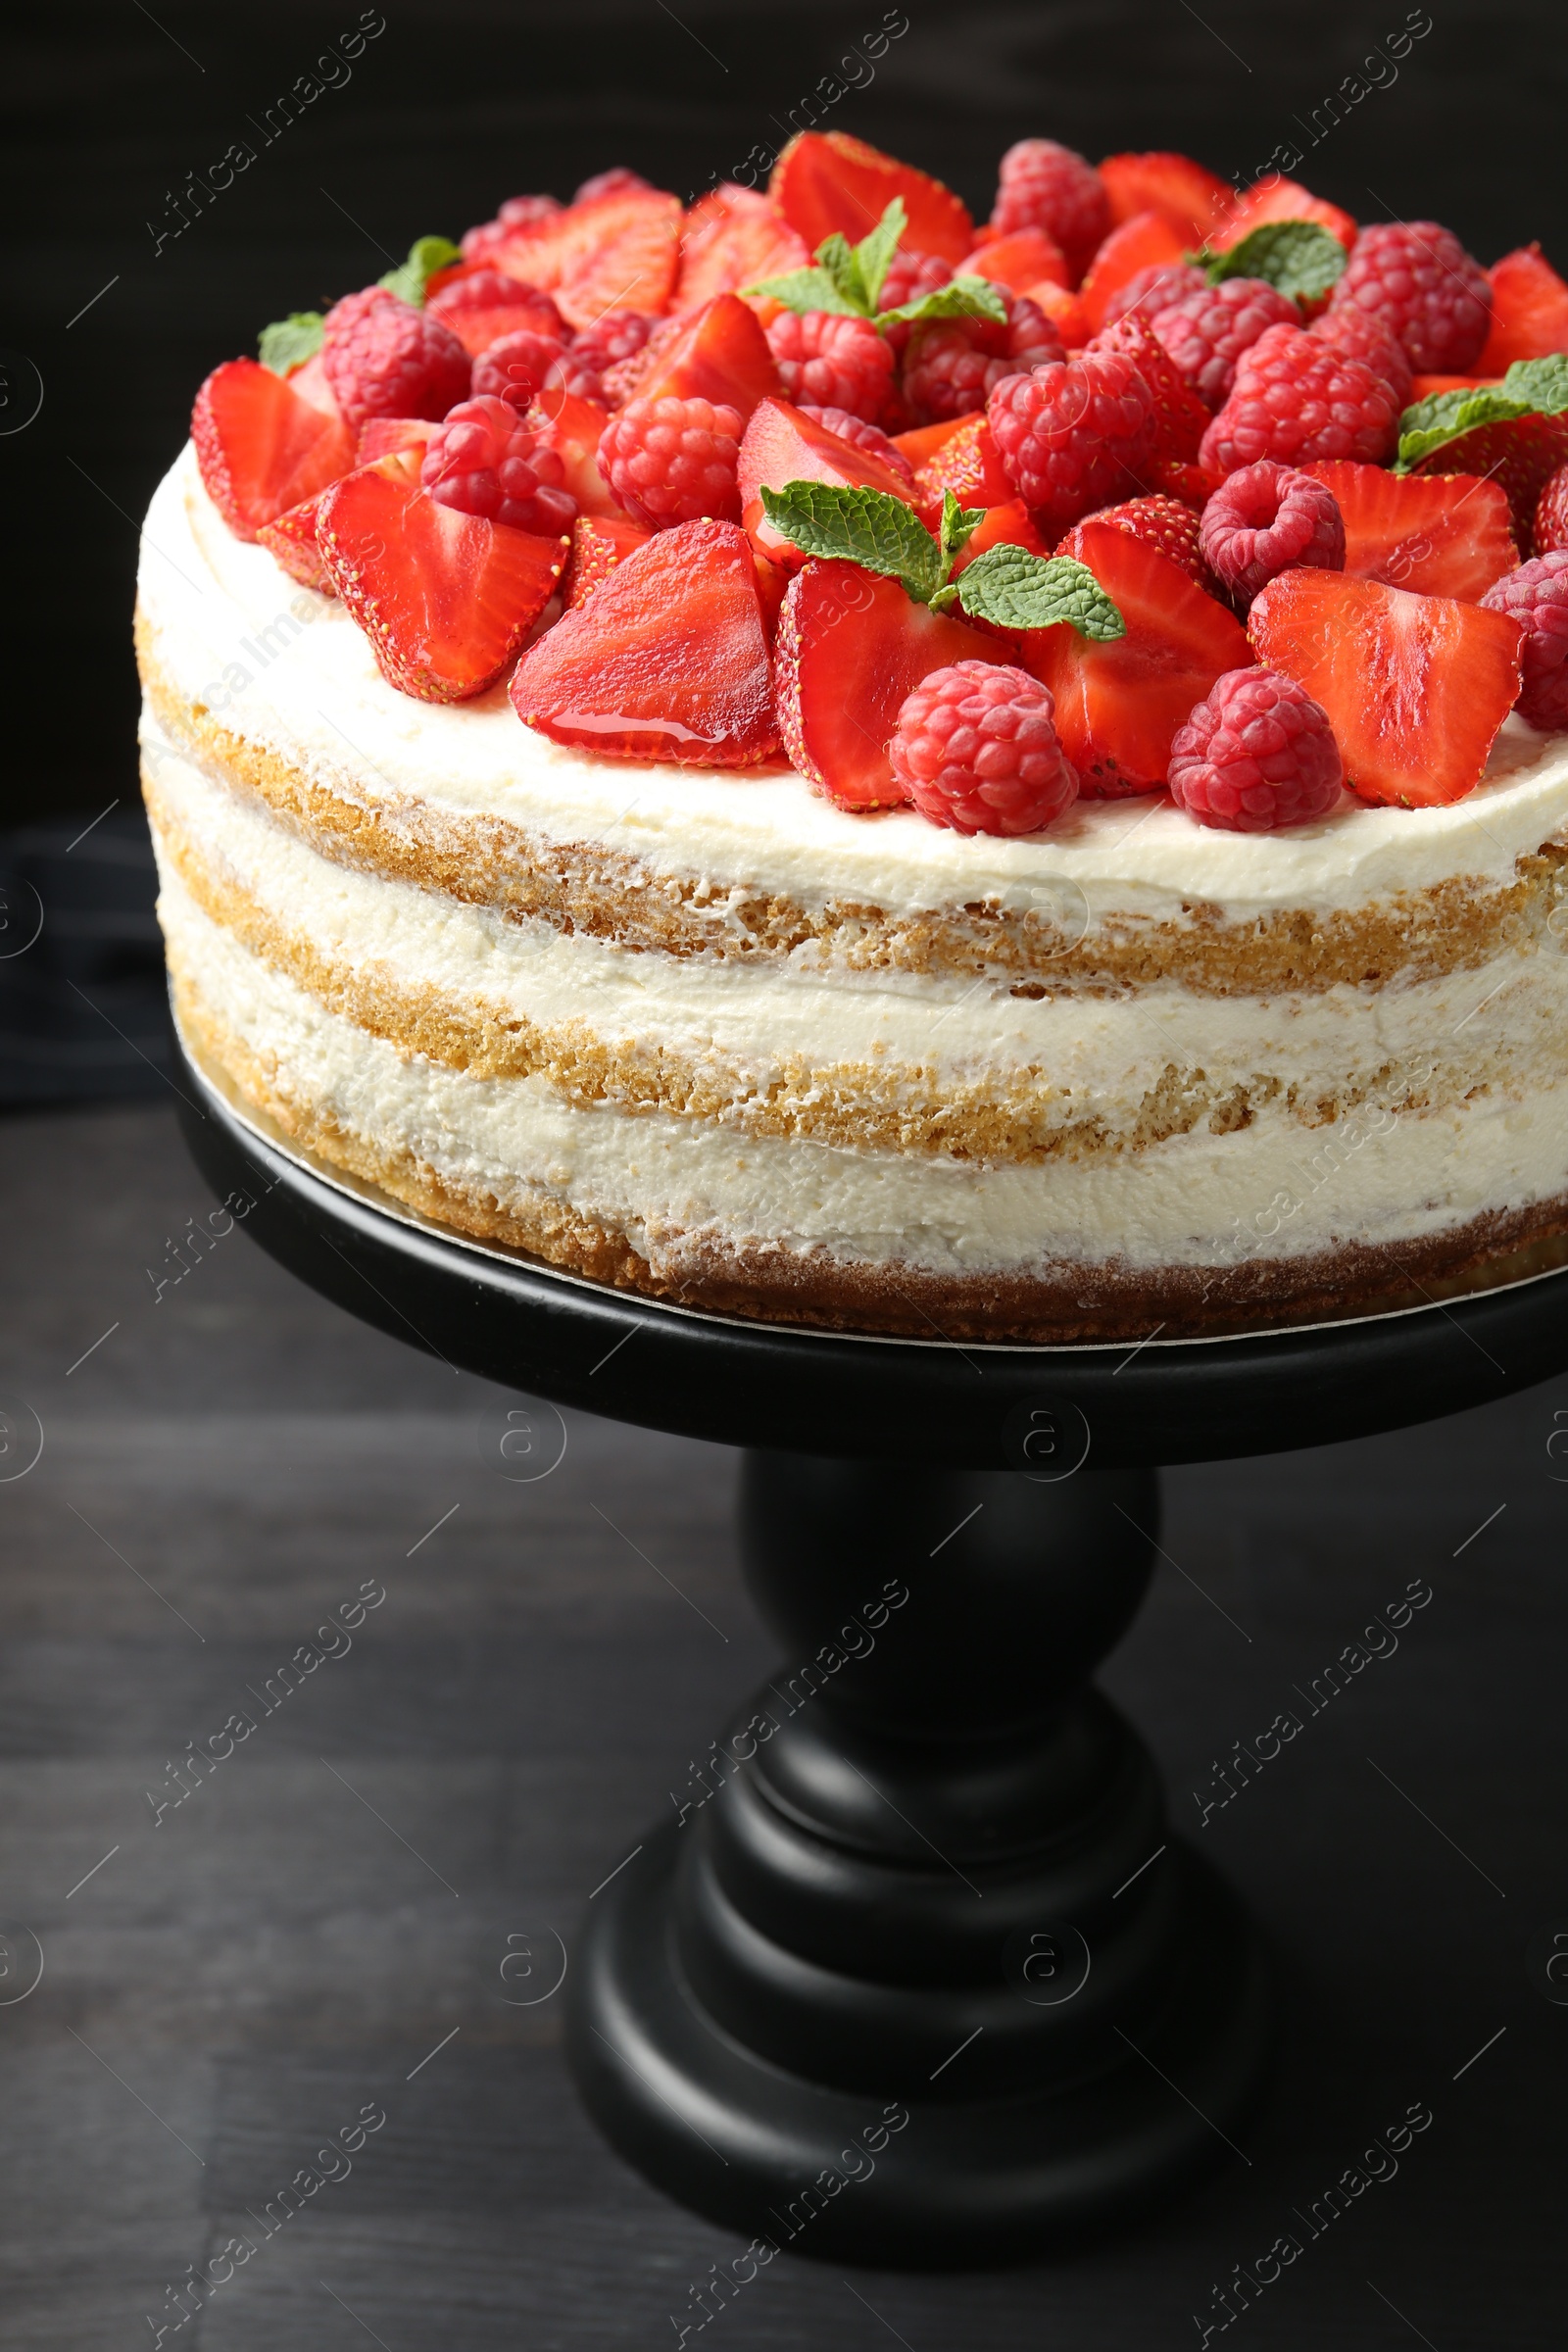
(573,429)
(1192,200)
(261,448)
(733,237)
(826,180)
(1147,241)
(781,445)
(1168,523)
(1009,524)
(291,538)
(1118,706)
(851,646)
(614,253)
(719,355)
(1529,310)
(1064,310)
(480,306)
(599,542)
(1521,452)
(1022,261)
(1276,199)
(1439,534)
(920,444)
(1415,686)
(668,660)
(969,464)
(379,436)
(445,599)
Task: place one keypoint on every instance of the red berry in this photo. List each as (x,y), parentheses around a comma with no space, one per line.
(862,435)
(969,464)
(383,358)
(514,367)
(1150,289)
(1146,242)
(1419,280)
(733,237)
(1437,534)
(975,749)
(482,461)
(828,179)
(1529,310)
(483,305)
(599,542)
(832,361)
(1206,331)
(1295,398)
(260,449)
(782,445)
(518,212)
(1274,198)
(671,461)
(1256,753)
(1044,185)
(952,365)
(1537,594)
(580,369)
(1263,520)
(1073,434)
(611,252)
(1551,514)
(618,181)
(1191,197)
(1520,454)
(717,352)
(1181,418)
(1362,335)
(912,275)
(1168,523)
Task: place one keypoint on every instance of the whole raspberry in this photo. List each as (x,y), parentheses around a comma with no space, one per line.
(580,369)
(975,747)
(832,361)
(909,275)
(618,181)
(1044,185)
(1419,280)
(514,367)
(1296,399)
(1538,595)
(1551,514)
(383,358)
(862,435)
(492,290)
(669,460)
(1263,520)
(518,212)
(1257,754)
(1361,335)
(480,460)
(1207,332)
(953,363)
(1151,288)
(1075,434)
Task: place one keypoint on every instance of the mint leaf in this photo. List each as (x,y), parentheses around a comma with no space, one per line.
(426,255)
(874,252)
(860,527)
(1543,385)
(807,290)
(1299,259)
(957,527)
(964,298)
(1019,591)
(1430,424)
(840,266)
(289,342)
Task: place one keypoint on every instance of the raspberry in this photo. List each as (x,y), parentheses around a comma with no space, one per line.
(671,461)
(1264,519)
(862,435)
(480,460)
(518,212)
(1538,595)
(1362,335)
(833,362)
(1206,331)
(617,336)
(1420,282)
(975,747)
(1257,754)
(383,358)
(953,363)
(1151,288)
(514,367)
(1551,514)
(493,290)
(912,275)
(618,181)
(1073,434)
(1044,185)
(1296,399)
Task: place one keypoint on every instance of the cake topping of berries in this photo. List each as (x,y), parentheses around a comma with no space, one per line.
(1515,432)
(783,446)
(1537,595)
(829,183)
(862,435)
(671,461)
(975,749)
(1073,434)
(483,461)
(1168,523)
(1551,514)
(1362,335)
(829,360)
(1156,286)
(581,368)
(262,449)
(952,366)
(514,367)
(1042,184)
(1417,277)
(1256,753)
(1265,519)
(1439,534)
(383,358)
(482,305)
(1207,332)
(1295,398)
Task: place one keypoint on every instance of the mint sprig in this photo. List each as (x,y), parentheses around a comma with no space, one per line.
(410,278)
(1530,388)
(289,342)
(848,280)
(1301,259)
(1003,584)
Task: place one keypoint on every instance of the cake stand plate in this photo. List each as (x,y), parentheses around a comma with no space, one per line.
(914,1971)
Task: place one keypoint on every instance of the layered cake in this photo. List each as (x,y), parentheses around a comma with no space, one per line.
(998,783)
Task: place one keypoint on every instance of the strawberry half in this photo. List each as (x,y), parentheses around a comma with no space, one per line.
(261,448)
(826,180)
(1438,534)
(1022,261)
(1277,199)
(733,237)
(1192,199)
(614,253)
(1141,242)
(721,353)
(668,660)
(780,446)
(1529,310)
(1120,704)
(969,464)
(573,429)
(1168,523)
(1415,686)
(920,444)
(1522,452)
(379,436)
(599,542)
(291,538)
(445,599)
(851,646)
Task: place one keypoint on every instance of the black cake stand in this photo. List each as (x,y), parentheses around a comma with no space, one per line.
(919,1975)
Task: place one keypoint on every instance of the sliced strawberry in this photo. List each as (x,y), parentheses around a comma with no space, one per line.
(445,599)
(599,542)
(1522,452)
(308,380)
(851,646)
(1529,310)
(1192,199)
(826,180)
(1168,523)
(261,448)
(1010,524)
(1181,418)
(1146,241)
(573,428)
(1021,261)
(1415,686)
(1437,534)
(1120,704)
(720,354)
(292,539)
(781,446)
(379,436)
(614,253)
(477,323)
(668,660)
(920,445)
(1195,484)
(1277,199)
(733,237)
(969,464)
(1064,310)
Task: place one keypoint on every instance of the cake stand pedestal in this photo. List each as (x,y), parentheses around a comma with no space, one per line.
(914,1971)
